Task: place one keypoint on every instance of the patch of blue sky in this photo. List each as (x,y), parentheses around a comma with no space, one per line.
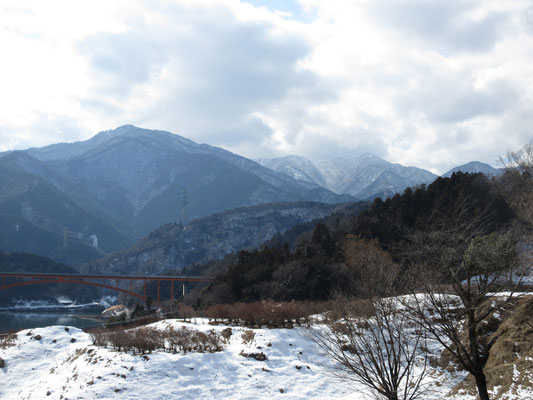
(292,8)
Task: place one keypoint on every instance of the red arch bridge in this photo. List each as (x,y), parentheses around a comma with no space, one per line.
(119,283)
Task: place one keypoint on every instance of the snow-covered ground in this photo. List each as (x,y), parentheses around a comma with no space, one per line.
(62,363)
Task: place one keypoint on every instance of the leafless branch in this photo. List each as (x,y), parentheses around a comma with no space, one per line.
(380,350)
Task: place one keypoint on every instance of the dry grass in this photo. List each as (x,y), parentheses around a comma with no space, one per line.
(510,361)
(8,340)
(514,347)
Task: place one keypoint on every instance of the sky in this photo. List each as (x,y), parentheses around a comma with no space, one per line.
(429,83)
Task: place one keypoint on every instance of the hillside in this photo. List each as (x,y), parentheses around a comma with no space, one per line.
(38,217)
(79,201)
(59,362)
(319,266)
(173,246)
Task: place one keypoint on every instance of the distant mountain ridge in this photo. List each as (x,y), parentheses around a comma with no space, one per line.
(76,202)
(122,184)
(365,176)
(475,167)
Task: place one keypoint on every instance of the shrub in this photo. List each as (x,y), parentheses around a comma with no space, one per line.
(226,333)
(248,336)
(149,339)
(186,312)
(217,312)
(100,339)
(199,341)
(120,340)
(266,313)
(180,339)
(213,342)
(145,339)
(8,341)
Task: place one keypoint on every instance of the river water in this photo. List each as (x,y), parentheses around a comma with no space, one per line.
(15,321)
(37,314)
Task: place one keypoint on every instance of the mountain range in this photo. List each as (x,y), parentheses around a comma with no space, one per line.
(77,202)
(365,176)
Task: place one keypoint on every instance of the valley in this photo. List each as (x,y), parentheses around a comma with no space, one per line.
(283,247)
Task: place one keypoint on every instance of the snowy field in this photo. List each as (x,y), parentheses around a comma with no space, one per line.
(60,363)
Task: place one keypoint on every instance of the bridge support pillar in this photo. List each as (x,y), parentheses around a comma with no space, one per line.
(171,292)
(184,289)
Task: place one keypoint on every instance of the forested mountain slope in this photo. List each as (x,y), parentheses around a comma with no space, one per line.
(79,201)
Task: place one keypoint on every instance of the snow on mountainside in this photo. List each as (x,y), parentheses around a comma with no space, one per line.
(365,176)
(130,171)
(130,181)
(65,151)
(475,167)
(296,167)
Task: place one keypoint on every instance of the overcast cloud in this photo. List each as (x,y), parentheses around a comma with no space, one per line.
(420,82)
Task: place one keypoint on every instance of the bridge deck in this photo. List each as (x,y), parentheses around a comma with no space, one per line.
(27,278)
(103,276)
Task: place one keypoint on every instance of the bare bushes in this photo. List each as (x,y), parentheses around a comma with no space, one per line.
(8,340)
(100,339)
(248,336)
(375,344)
(185,312)
(149,339)
(188,340)
(266,313)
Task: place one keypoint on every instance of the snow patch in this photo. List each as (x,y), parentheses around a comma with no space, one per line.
(94,240)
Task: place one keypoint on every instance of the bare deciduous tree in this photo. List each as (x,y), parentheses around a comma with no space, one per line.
(516,184)
(375,271)
(374,344)
(459,268)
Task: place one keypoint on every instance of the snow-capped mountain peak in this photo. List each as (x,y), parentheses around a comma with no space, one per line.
(364,176)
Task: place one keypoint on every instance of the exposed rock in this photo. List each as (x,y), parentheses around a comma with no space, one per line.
(256,356)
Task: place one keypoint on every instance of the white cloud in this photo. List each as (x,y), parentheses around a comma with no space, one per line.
(426,83)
